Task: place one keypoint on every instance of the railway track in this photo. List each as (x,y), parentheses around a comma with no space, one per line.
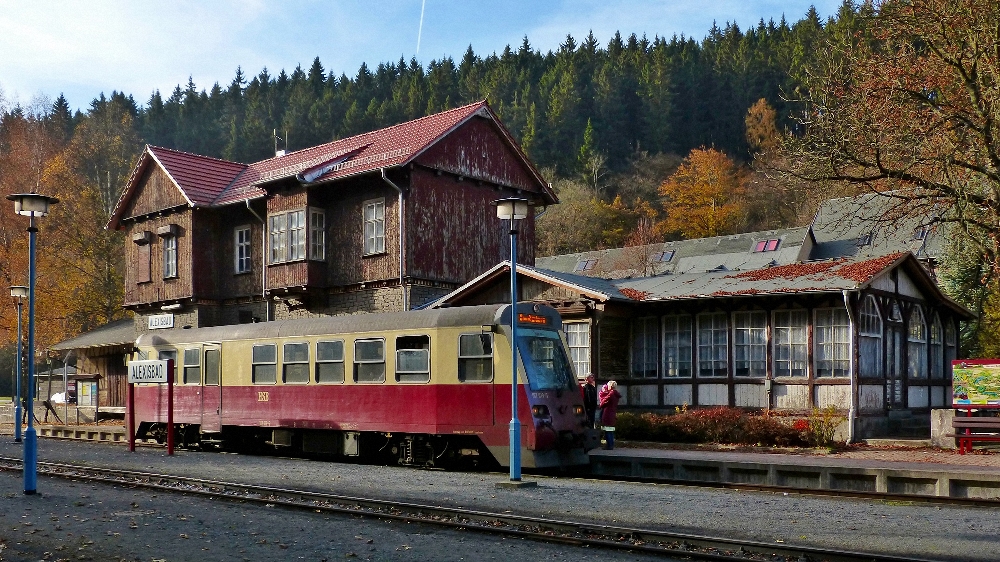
(573,533)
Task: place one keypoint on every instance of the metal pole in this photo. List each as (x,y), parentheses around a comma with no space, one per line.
(515,425)
(17,403)
(30,439)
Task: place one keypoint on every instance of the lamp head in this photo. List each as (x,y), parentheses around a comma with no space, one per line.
(32,204)
(512,208)
(18,291)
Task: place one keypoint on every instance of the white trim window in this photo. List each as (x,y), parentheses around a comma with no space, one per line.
(832,344)
(578,340)
(296,236)
(169,257)
(317,234)
(287,236)
(937,349)
(713,343)
(750,344)
(644,350)
(374,227)
(870,339)
(241,249)
(791,347)
(277,237)
(677,346)
(916,342)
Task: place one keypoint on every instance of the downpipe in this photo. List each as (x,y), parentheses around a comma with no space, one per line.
(852,413)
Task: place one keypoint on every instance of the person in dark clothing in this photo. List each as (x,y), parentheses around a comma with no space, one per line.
(590,399)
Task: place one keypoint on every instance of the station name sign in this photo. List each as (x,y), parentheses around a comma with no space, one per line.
(160,321)
(148,371)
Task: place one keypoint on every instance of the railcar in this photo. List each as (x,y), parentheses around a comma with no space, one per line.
(424,388)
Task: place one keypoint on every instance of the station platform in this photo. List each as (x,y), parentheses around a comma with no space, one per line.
(897,470)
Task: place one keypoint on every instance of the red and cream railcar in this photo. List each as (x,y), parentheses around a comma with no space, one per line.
(423,387)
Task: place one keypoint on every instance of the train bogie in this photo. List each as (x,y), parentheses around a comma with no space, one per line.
(423,388)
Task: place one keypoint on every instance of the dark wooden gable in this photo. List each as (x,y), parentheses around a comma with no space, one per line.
(155,192)
(478,150)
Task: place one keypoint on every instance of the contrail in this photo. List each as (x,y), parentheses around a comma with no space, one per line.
(420,30)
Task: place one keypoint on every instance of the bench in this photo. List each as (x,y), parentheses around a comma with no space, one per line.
(970,429)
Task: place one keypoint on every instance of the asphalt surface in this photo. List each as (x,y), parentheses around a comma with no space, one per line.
(901,528)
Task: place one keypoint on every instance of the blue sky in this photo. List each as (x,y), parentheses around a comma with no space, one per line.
(81,49)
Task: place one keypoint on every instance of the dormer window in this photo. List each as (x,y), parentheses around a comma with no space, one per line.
(921,232)
(659,257)
(767,245)
(585,265)
(866,239)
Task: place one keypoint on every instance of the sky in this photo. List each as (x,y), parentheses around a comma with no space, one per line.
(81,49)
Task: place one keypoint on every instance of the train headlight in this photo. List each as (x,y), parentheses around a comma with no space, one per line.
(540,411)
(578,410)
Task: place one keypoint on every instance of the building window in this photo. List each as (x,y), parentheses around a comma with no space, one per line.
(317,234)
(713,342)
(169,257)
(264,366)
(585,265)
(937,349)
(241,240)
(296,236)
(917,345)
(749,344)
(870,339)
(767,245)
(644,348)
(330,361)
(950,347)
(578,338)
(677,345)
(791,348)
(866,239)
(920,232)
(278,237)
(663,256)
(374,215)
(369,360)
(475,357)
(192,366)
(295,363)
(413,359)
(833,344)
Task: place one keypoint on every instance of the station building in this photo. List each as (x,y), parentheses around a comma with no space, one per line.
(844,312)
(383,221)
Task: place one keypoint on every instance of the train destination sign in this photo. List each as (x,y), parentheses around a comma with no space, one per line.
(147,371)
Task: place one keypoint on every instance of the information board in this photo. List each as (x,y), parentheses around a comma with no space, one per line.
(147,371)
(976,383)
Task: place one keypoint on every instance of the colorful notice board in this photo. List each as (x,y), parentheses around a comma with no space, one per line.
(976,383)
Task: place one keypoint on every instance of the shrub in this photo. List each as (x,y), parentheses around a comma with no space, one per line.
(730,426)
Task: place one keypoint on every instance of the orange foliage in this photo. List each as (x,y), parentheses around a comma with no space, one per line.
(702,196)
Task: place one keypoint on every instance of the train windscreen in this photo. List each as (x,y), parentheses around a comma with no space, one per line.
(545,360)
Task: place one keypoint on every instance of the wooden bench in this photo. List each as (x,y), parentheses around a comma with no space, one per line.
(969,429)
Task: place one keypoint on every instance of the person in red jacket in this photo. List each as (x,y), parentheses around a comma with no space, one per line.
(607,400)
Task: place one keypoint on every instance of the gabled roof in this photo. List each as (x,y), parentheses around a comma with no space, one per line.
(826,276)
(211,182)
(729,252)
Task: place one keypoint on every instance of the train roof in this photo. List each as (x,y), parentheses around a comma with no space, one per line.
(322,325)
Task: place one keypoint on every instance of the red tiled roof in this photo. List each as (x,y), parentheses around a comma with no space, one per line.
(210,181)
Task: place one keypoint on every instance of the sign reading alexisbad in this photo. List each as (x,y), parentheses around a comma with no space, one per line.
(159,321)
(147,371)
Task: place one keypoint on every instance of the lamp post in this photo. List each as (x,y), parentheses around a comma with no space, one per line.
(18,292)
(513,209)
(31,205)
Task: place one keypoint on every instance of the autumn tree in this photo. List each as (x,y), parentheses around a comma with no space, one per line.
(907,104)
(582,221)
(702,197)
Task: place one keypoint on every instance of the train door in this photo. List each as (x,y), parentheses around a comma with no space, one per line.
(211,396)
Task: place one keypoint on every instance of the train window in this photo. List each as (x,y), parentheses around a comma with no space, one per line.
(168,355)
(213,367)
(192,366)
(329,361)
(295,363)
(413,359)
(264,369)
(369,360)
(475,357)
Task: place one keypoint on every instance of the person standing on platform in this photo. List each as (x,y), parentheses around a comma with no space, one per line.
(590,399)
(608,399)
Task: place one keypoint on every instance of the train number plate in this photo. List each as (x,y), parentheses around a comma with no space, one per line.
(263,396)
